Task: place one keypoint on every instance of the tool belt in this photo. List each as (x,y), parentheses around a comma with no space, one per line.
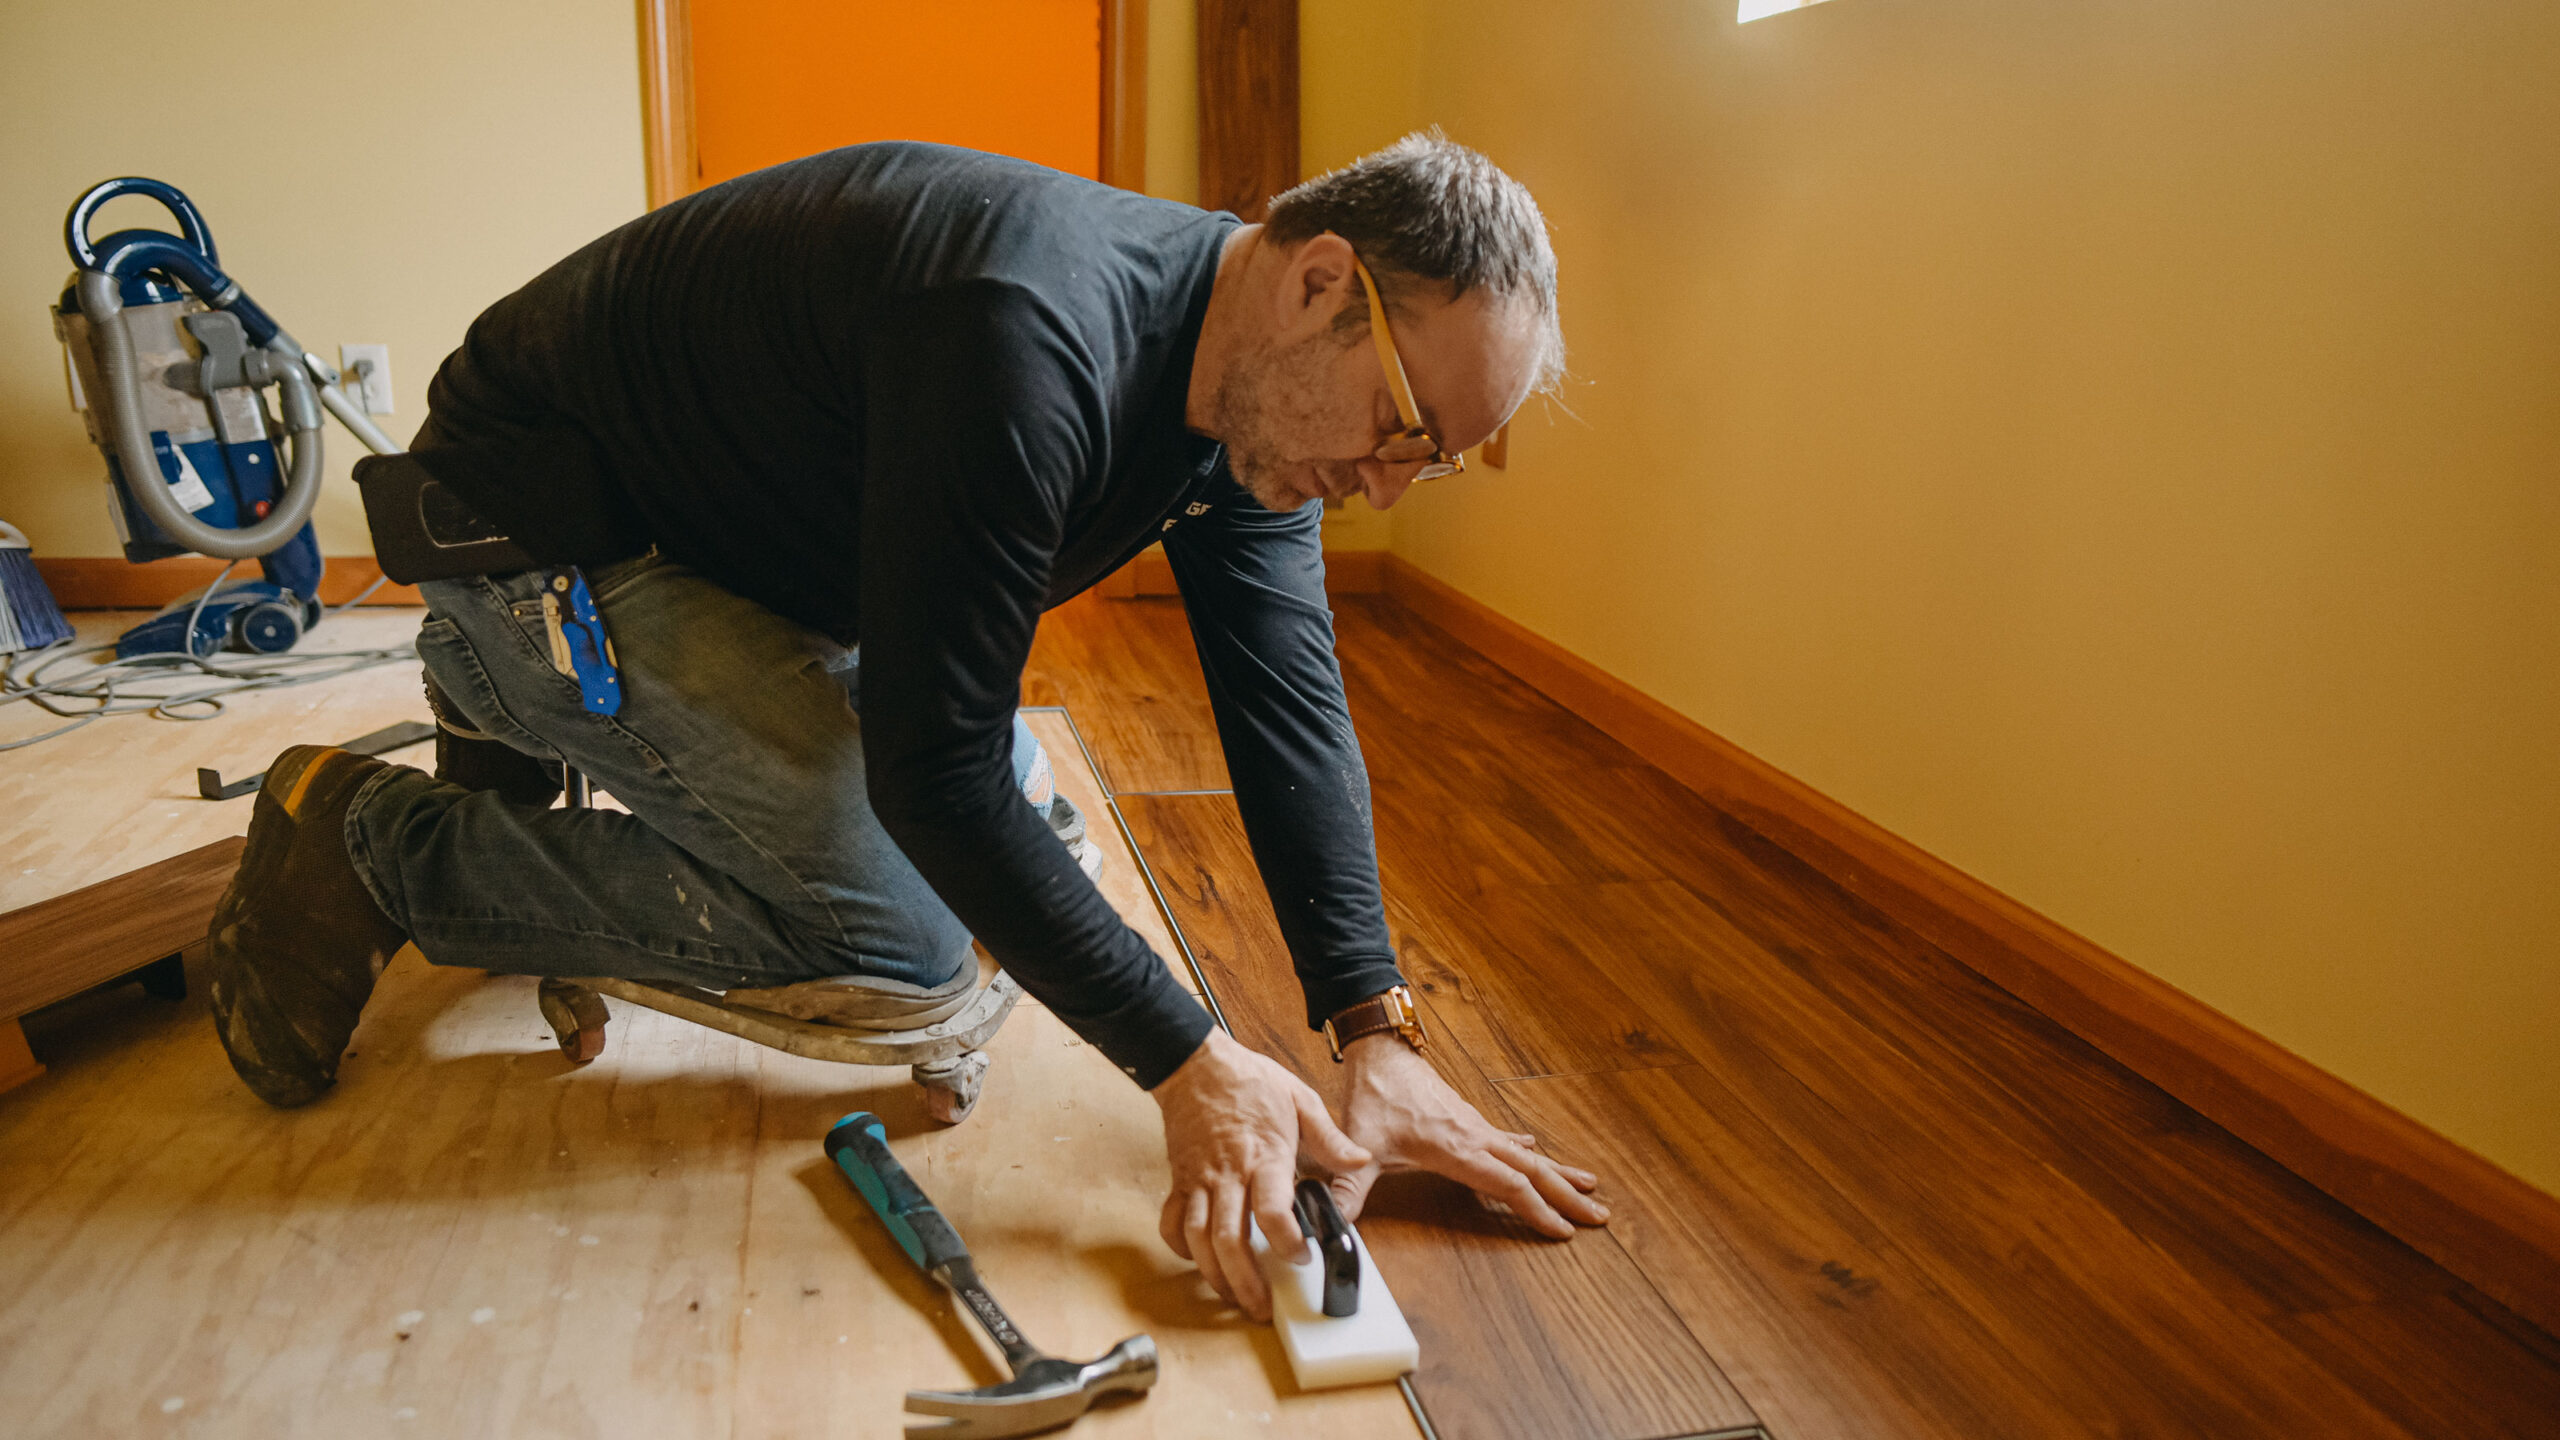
(422,530)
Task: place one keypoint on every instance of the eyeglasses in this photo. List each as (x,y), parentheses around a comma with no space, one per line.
(1442,464)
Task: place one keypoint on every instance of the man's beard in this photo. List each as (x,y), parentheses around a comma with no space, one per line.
(1265,397)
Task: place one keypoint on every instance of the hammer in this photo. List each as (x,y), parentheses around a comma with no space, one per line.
(1045,1392)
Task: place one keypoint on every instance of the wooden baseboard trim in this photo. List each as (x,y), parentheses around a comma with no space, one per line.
(1346,572)
(2466,1213)
(56,948)
(108,582)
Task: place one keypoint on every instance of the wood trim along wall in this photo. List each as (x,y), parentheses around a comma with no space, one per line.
(107,582)
(1248,103)
(1124,94)
(673,159)
(1346,572)
(2470,1216)
(670,159)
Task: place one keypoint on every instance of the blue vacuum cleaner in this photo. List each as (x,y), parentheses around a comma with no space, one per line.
(170,362)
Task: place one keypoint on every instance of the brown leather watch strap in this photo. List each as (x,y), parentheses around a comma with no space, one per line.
(1393,1010)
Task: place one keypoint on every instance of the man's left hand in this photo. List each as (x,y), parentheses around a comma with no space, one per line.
(1408,1118)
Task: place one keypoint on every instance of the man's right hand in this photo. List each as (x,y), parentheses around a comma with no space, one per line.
(1235,1123)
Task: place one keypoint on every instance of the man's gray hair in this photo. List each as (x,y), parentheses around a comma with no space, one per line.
(1429,210)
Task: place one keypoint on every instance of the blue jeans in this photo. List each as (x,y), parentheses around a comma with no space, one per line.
(750,856)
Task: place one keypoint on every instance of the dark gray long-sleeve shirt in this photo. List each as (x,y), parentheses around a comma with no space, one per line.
(913,396)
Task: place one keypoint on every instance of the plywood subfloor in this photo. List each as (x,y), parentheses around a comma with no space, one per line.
(120,793)
(470,1237)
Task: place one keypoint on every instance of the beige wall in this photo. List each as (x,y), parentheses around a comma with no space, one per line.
(373,172)
(2113,445)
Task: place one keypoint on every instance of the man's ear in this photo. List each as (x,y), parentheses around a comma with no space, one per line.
(1318,281)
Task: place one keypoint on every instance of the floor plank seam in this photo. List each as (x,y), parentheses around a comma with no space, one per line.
(1672,1311)
(1675,1062)
(1173,926)
(1146,872)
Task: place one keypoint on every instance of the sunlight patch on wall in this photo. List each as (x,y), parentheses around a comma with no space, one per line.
(1763,9)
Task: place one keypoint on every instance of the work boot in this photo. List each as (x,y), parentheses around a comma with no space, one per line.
(297,940)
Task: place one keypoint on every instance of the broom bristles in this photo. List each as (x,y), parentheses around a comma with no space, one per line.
(29,618)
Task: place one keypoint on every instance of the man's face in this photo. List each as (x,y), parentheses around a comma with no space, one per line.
(1306,412)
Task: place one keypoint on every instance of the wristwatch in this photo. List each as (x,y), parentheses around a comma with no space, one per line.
(1392,1011)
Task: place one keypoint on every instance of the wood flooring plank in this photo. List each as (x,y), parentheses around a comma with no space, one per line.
(1521,1336)
(1121,881)
(1419,695)
(1195,846)
(2441,1367)
(1824,1323)
(1495,971)
(1127,670)
(2272,1243)
(59,947)
(2129,1339)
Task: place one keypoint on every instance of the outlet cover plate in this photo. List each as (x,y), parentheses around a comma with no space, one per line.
(372,388)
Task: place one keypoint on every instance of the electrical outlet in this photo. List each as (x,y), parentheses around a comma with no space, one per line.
(366,376)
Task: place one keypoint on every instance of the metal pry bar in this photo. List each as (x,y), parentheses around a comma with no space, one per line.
(380,742)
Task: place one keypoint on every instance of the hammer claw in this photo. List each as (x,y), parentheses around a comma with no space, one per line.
(969,1417)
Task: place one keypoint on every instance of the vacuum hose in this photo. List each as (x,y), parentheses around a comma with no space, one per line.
(102,302)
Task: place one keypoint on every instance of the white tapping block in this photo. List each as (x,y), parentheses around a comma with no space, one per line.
(1371,1344)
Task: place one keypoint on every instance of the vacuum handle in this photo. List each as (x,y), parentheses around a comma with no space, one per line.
(75,226)
(859,1146)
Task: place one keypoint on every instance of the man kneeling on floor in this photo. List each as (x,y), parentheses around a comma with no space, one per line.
(825,441)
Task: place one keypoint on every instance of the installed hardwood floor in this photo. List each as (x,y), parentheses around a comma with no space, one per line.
(1859,1191)
(1520,1336)
(1127,671)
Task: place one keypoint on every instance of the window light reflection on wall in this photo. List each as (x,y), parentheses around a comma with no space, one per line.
(1763,9)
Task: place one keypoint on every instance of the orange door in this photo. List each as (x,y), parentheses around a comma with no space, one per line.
(777,79)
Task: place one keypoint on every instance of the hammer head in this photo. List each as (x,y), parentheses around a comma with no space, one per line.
(1045,1395)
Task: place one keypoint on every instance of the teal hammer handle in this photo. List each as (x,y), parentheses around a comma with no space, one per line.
(860,1147)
